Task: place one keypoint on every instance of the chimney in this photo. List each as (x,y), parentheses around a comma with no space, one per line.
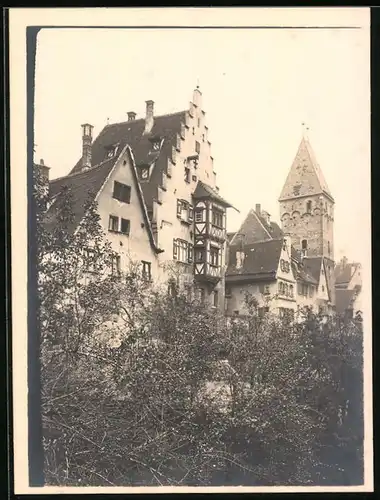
(344,262)
(131,116)
(149,120)
(86,145)
(258,209)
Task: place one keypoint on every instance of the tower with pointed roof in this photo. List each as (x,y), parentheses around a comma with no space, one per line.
(307,206)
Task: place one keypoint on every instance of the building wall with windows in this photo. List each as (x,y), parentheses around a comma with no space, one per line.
(122,218)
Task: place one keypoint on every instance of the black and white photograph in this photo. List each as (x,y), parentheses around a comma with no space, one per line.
(191,222)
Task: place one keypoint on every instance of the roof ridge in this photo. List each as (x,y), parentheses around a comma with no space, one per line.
(74,174)
(140,119)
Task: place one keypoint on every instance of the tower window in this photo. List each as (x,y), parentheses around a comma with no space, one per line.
(304,244)
(308,207)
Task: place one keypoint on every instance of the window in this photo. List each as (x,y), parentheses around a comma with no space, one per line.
(328,248)
(111,151)
(125,226)
(187,174)
(304,244)
(286,291)
(203,137)
(228,292)
(199,215)
(215,298)
(146,270)
(281,288)
(145,173)
(181,250)
(191,213)
(291,291)
(201,294)
(193,130)
(323,288)
(122,192)
(90,260)
(197,147)
(214,256)
(199,122)
(179,207)
(266,290)
(113,223)
(190,253)
(217,218)
(194,178)
(308,207)
(296,190)
(303,290)
(199,255)
(115,264)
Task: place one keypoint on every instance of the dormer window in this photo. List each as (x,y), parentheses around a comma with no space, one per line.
(144,173)
(111,151)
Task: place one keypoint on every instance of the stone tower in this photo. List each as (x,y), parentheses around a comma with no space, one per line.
(307,206)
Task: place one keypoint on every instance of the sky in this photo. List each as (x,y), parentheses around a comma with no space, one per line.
(258,86)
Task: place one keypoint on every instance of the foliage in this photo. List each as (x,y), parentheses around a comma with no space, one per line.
(142,386)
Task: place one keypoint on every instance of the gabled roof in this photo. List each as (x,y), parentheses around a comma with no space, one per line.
(305,177)
(260,261)
(255,229)
(302,275)
(344,273)
(84,186)
(312,265)
(203,191)
(131,133)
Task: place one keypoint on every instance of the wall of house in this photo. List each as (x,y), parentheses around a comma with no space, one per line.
(169,225)
(315,227)
(135,246)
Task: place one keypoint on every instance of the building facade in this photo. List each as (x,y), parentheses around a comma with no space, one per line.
(302,273)
(155,186)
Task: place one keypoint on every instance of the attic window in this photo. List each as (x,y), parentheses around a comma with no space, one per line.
(122,192)
(156,145)
(296,190)
(111,151)
(144,173)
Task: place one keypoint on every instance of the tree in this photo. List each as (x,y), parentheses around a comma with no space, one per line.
(143,386)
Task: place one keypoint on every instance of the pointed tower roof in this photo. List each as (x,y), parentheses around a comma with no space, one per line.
(305,177)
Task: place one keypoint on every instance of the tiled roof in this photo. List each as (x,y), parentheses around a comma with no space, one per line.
(204,191)
(260,259)
(313,266)
(255,229)
(301,274)
(84,187)
(305,177)
(132,133)
(343,274)
(344,300)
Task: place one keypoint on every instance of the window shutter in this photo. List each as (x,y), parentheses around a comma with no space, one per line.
(179,207)
(190,253)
